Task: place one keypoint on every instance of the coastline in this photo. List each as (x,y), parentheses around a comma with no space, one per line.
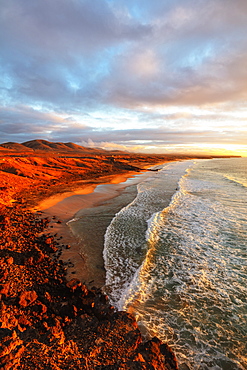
(47,320)
(66,205)
(86,262)
(47,317)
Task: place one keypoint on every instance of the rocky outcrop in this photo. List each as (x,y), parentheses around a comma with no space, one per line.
(50,323)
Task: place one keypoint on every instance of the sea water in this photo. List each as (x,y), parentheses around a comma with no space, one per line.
(176,257)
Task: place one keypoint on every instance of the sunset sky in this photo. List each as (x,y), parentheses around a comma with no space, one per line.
(143,75)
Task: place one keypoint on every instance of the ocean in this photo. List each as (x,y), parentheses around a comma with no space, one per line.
(176,257)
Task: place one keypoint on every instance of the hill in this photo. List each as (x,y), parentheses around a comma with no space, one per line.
(44,145)
(15,147)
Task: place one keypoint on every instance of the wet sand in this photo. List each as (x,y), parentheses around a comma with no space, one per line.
(65,205)
(80,219)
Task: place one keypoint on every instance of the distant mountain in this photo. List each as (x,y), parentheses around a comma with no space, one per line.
(39,145)
(58,146)
(76,147)
(48,146)
(15,147)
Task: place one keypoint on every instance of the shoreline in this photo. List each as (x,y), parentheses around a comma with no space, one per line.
(48,316)
(63,208)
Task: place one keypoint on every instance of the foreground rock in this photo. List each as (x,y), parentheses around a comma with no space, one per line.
(49,323)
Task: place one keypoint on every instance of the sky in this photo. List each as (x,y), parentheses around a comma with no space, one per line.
(148,76)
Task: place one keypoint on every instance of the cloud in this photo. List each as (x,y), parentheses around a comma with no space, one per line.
(69,54)
(63,27)
(200,56)
(82,70)
(195,67)
(52,50)
(21,121)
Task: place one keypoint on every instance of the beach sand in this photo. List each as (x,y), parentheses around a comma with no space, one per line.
(80,219)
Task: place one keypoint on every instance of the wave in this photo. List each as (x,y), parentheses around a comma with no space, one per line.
(190,290)
(126,246)
(72,220)
(140,289)
(181,266)
(237,181)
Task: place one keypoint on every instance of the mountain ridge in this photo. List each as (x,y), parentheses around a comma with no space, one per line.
(48,146)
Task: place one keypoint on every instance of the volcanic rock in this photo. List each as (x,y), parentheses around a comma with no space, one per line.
(47,322)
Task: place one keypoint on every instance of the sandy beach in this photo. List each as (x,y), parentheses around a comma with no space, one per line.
(80,219)
(47,320)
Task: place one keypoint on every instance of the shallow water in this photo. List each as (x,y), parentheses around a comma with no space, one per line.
(177,259)
(90,223)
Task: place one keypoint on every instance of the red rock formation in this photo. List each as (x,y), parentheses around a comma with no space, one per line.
(49,323)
